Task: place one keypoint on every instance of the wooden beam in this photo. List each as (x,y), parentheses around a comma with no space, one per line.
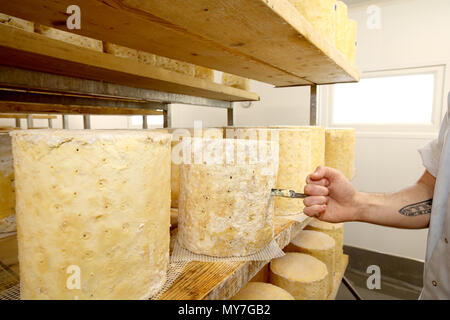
(27,50)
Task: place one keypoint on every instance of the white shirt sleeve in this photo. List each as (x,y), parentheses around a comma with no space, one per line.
(431,152)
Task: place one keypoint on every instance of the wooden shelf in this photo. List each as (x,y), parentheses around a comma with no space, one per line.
(222,280)
(33,51)
(265,40)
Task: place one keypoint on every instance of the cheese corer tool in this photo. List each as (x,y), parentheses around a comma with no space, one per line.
(286,193)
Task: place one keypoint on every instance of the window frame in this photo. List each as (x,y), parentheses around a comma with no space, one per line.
(326,97)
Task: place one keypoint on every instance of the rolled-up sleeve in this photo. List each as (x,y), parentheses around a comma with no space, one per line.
(431,152)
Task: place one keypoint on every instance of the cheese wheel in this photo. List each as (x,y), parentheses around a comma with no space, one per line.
(175,65)
(225,204)
(204,73)
(93,213)
(147,58)
(321,14)
(334,230)
(351,31)
(302,275)
(7,192)
(262,291)
(177,155)
(318,245)
(120,51)
(234,81)
(341,27)
(340,150)
(69,37)
(16,22)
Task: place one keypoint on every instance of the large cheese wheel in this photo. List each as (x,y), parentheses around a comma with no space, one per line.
(321,14)
(16,22)
(7,192)
(302,275)
(340,150)
(334,230)
(262,291)
(204,73)
(319,245)
(235,81)
(70,37)
(177,155)
(175,65)
(225,203)
(341,27)
(120,51)
(94,206)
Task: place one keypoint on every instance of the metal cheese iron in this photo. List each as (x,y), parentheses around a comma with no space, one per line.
(285,193)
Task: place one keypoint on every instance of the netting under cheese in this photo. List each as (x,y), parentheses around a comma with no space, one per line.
(225,204)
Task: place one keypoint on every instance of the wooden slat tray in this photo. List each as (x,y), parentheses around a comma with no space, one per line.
(265,40)
(222,280)
(34,51)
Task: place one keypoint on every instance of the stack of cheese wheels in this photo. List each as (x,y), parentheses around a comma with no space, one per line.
(235,81)
(340,150)
(93,213)
(177,154)
(321,14)
(262,291)
(334,230)
(7,192)
(225,203)
(302,275)
(319,245)
(294,159)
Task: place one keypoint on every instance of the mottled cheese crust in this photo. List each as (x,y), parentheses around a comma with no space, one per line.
(96,200)
(318,245)
(226,209)
(7,192)
(262,291)
(177,135)
(204,73)
(321,14)
(302,275)
(335,231)
(16,22)
(235,81)
(175,65)
(340,150)
(120,51)
(70,37)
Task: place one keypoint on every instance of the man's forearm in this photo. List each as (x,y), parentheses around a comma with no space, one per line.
(408,208)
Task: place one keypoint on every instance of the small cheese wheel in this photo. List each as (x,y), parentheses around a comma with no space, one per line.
(69,37)
(7,191)
(225,202)
(93,204)
(120,51)
(16,22)
(204,73)
(302,275)
(340,150)
(334,230)
(319,245)
(235,81)
(146,57)
(175,65)
(177,155)
(321,14)
(262,291)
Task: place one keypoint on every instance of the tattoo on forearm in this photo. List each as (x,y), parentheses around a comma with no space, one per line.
(417,209)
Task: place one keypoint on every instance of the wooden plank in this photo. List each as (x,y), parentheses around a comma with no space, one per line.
(338,277)
(27,50)
(24,116)
(28,107)
(222,280)
(266,40)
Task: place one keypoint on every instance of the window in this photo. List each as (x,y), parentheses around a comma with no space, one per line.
(136,122)
(395,99)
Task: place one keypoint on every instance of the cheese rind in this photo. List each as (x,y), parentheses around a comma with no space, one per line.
(204,73)
(93,204)
(302,275)
(340,150)
(318,245)
(262,291)
(7,191)
(226,209)
(235,81)
(341,27)
(70,37)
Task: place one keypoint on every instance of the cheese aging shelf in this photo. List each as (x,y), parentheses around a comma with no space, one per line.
(264,40)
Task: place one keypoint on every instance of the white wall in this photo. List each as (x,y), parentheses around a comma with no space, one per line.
(413,33)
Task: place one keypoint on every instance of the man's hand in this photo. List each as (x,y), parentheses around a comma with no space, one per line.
(331,197)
